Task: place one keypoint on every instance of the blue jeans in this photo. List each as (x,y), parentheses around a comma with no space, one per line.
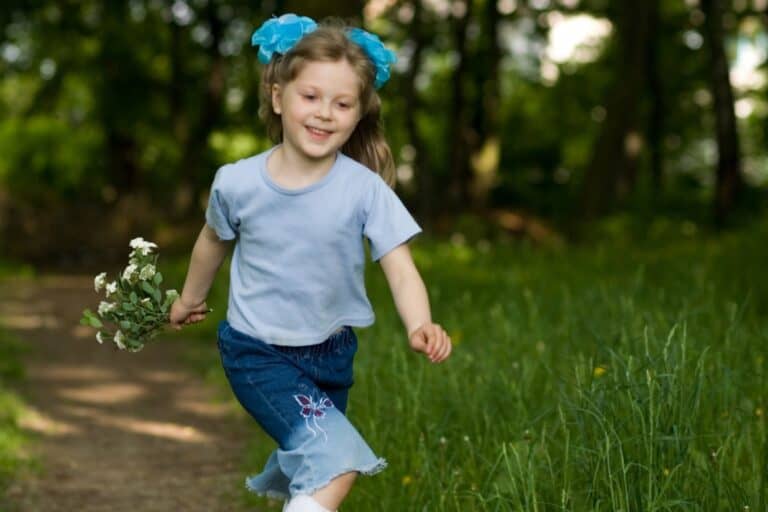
(299,397)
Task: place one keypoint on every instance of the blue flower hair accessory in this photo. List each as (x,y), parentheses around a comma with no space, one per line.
(278,35)
(381,56)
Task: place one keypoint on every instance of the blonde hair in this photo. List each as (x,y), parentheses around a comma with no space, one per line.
(330,43)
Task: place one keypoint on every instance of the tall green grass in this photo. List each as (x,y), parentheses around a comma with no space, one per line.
(603,378)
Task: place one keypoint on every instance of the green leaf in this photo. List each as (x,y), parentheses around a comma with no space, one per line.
(89,318)
(125,324)
(86,319)
(148,288)
(134,298)
(158,279)
(152,291)
(127,306)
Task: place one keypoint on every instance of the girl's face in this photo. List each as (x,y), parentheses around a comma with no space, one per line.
(319,109)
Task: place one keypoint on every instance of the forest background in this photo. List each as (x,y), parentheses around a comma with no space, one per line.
(548,120)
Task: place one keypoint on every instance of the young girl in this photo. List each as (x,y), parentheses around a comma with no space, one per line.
(298,214)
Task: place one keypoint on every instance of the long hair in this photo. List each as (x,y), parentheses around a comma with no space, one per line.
(330,43)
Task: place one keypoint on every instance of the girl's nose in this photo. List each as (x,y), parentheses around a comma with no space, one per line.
(324,110)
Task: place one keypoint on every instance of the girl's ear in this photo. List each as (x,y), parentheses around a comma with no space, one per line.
(276,91)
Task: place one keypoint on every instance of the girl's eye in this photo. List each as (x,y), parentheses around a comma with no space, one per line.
(343,105)
(309,96)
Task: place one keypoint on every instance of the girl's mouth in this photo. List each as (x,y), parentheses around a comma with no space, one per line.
(317,133)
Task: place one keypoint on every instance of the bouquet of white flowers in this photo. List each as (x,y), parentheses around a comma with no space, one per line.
(134,302)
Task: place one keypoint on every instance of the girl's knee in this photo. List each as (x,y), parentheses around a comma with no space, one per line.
(334,493)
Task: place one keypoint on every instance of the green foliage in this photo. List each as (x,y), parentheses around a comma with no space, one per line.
(42,154)
(108,97)
(609,377)
(12,439)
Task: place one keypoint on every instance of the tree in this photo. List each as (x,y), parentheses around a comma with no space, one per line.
(486,146)
(612,170)
(413,105)
(728,181)
(461,142)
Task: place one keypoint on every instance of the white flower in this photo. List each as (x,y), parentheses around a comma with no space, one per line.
(129,271)
(141,246)
(106,307)
(119,340)
(100,337)
(111,288)
(139,242)
(145,301)
(100,281)
(148,272)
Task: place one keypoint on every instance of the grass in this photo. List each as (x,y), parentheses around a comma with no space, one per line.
(12,439)
(600,378)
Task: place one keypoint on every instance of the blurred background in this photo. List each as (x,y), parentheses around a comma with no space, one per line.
(549,120)
(592,177)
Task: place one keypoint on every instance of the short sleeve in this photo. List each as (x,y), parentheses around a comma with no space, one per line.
(387,222)
(220,214)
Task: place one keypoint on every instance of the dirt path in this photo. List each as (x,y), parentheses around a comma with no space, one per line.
(115,431)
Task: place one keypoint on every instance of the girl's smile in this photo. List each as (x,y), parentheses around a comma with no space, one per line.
(319,111)
(318,134)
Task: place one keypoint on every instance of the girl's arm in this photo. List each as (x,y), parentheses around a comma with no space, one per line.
(207,256)
(412,304)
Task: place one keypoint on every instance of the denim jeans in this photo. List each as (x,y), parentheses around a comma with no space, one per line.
(298,395)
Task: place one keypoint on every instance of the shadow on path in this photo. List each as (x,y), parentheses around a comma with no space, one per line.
(115,431)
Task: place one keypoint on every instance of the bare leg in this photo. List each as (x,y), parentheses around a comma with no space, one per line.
(334,493)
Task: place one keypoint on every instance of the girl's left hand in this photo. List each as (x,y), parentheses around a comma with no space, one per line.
(432,340)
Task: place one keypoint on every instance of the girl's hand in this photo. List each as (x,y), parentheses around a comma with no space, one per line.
(185,314)
(432,340)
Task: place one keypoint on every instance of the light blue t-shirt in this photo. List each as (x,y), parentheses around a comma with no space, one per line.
(297,268)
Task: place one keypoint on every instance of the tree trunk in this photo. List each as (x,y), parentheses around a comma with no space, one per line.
(728,178)
(611,172)
(421,161)
(656,91)
(460,139)
(195,159)
(486,145)
(179,117)
(116,95)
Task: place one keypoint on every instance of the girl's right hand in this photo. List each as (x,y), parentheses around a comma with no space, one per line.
(184,314)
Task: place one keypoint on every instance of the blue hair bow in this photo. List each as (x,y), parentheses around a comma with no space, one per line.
(279,35)
(381,56)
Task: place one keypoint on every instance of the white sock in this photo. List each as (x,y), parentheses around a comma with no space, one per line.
(304,503)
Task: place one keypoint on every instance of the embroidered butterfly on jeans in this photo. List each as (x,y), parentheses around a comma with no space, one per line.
(310,409)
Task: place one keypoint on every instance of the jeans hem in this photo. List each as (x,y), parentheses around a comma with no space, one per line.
(267,493)
(369,470)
